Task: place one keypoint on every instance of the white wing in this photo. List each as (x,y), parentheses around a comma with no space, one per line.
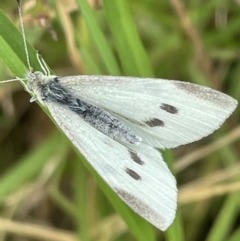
(143,181)
(165,113)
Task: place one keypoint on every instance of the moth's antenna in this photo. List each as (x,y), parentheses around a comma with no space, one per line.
(26,51)
(23,34)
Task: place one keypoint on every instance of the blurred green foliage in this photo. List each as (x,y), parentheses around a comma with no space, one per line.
(42,179)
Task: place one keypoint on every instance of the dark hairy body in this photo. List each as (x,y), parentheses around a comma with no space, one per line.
(97,117)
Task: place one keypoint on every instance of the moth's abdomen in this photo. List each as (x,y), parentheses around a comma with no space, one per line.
(95,116)
(108,124)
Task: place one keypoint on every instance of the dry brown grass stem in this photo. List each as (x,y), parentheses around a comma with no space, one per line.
(202,152)
(205,62)
(105,230)
(196,194)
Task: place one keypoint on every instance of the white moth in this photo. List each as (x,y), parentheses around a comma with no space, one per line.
(118,123)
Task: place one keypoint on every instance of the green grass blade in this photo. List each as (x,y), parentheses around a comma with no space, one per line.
(132,54)
(30,165)
(12,49)
(99,38)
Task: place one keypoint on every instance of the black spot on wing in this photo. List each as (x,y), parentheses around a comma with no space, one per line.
(169,108)
(133,174)
(154,122)
(136,158)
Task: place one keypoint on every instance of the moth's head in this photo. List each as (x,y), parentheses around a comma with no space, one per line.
(34,80)
(37,79)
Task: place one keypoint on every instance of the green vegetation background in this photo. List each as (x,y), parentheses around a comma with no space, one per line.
(47,190)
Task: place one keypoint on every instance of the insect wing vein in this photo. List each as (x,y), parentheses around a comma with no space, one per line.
(164,113)
(141,179)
